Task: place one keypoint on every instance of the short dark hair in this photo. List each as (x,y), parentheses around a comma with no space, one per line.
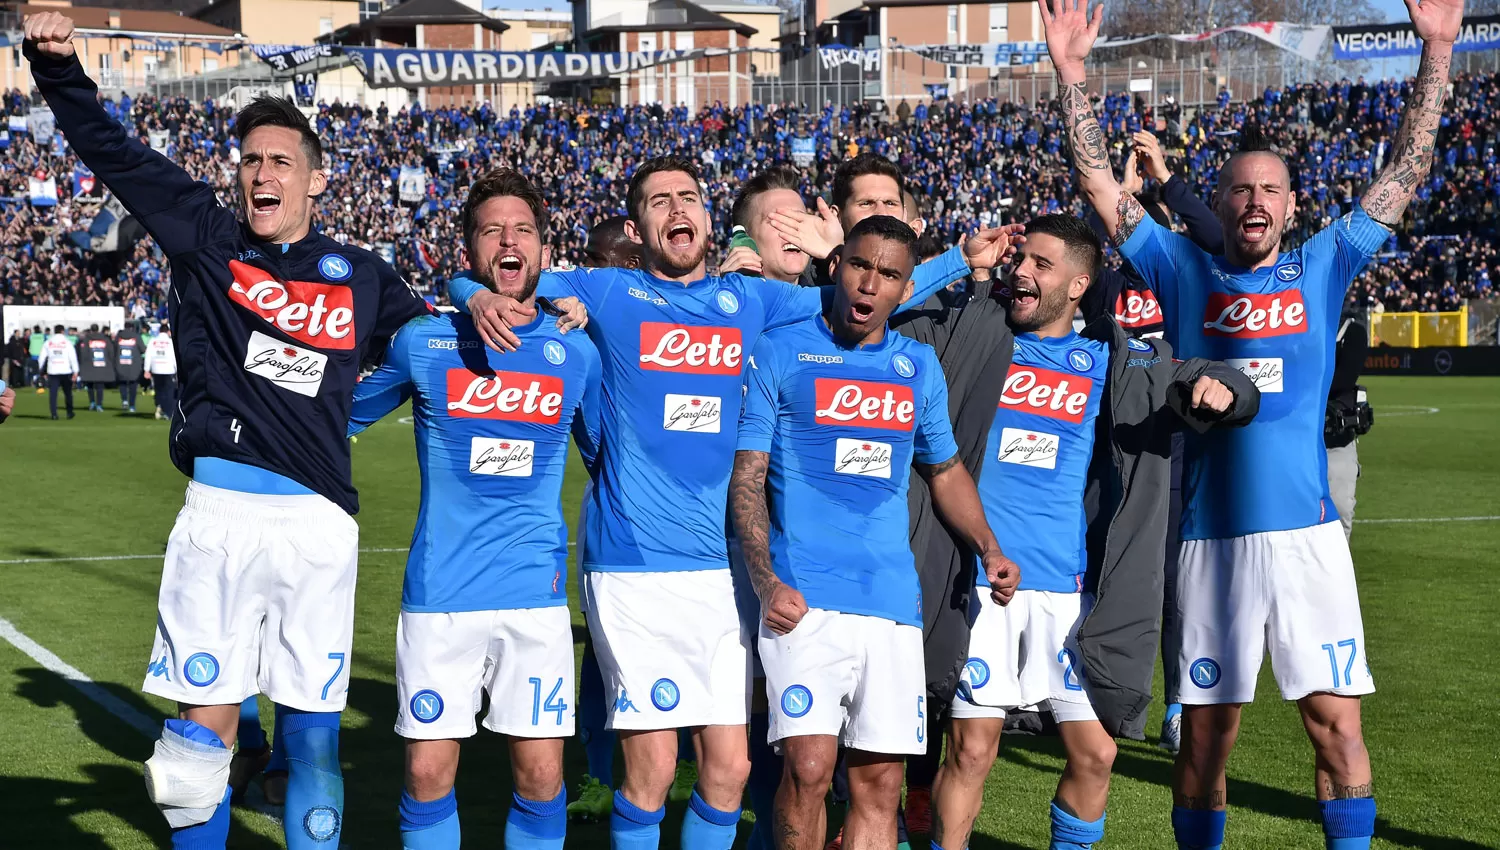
(57,330)
(271,111)
(657,164)
(1253,140)
(860,166)
(928,247)
(502,183)
(886,227)
(1081,241)
(773,178)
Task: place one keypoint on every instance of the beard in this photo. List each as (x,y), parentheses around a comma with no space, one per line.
(680,265)
(1049,306)
(1250,253)
(486,276)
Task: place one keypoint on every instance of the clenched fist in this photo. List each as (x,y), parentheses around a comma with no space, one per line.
(52,32)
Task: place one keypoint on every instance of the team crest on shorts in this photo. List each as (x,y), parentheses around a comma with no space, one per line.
(903,366)
(201,669)
(426,706)
(796,701)
(976,673)
(665,695)
(727,302)
(1204,672)
(334,267)
(554,352)
(321,823)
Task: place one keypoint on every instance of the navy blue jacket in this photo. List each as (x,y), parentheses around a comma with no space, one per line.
(269,337)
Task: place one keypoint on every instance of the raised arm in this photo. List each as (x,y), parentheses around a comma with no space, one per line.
(1070,34)
(1437,22)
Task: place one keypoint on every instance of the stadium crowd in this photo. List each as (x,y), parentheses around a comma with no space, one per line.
(973,164)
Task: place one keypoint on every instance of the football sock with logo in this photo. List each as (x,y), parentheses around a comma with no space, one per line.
(1198,829)
(634,828)
(598,742)
(1348,824)
(1074,833)
(707,828)
(429,826)
(250,735)
(277,764)
(536,825)
(314,812)
(765,778)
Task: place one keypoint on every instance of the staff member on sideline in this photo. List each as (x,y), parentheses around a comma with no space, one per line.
(161,371)
(127,365)
(59,362)
(96,364)
(1349,417)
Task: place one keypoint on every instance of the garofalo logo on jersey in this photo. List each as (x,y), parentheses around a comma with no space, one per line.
(667,347)
(1056,395)
(291,367)
(865,404)
(316,314)
(1253,315)
(699,413)
(1266,372)
(500,456)
(513,396)
(1028,448)
(862,457)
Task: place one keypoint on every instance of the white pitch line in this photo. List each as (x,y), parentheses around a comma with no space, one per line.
(1429,519)
(79,680)
(159,555)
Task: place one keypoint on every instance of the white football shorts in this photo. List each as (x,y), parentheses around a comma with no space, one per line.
(257,596)
(1026,654)
(670,647)
(523,658)
(747,603)
(858,677)
(1290,591)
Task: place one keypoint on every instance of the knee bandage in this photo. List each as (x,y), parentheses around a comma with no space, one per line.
(188,773)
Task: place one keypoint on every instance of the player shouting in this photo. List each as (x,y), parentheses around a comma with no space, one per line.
(271,320)
(1261,537)
(673,343)
(1076,481)
(485,603)
(837,409)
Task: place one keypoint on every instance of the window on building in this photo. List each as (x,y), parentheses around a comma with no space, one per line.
(999,22)
(369,9)
(539,39)
(106,62)
(210,64)
(952,24)
(325,26)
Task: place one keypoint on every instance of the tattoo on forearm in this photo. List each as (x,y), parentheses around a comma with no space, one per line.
(1214,800)
(1129,213)
(1348,792)
(752,518)
(1083,130)
(930,471)
(1415,144)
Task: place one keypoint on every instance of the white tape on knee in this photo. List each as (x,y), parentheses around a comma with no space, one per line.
(186,779)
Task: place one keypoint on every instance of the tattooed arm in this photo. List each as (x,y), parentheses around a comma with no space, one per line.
(956,501)
(1437,22)
(782,605)
(1070,35)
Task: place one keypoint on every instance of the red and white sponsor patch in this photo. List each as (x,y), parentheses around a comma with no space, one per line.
(668,347)
(865,404)
(1137,308)
(701,413)
(1028,448)
(1056,395)
(291,367)
(315,314)
(1255,315)
(512,396)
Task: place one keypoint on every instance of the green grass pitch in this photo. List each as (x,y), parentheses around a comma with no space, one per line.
(101,485)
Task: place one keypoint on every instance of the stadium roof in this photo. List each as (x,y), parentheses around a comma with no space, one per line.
(675,16)
(399,24)
(91,19)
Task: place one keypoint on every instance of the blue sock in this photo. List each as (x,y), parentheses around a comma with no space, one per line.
(277,764)
(1173,709)
(1348,824)
(314,814)
(213,833)
(429,826)
(1073,833)
(936,846)
(535,825)
(707,828)
(633,828)
(251,736)
(1198,829)
(765,778)
(598,742)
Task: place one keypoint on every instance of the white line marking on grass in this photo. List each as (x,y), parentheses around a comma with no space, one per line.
(159,555)
(1404,410)
(1429,519)
(75,677)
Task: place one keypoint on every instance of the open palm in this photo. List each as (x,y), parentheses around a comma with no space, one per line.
(1435,20)
(1071,31)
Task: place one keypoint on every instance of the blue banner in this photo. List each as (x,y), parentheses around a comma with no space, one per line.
(1386,40)
(404,68)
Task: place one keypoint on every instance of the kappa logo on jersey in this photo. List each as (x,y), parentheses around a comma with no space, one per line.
(1137,308)
(1254,315)
(1266,372)
(1289,272)
(665,695)
(314,314)
(642,294)
(700,413)
(1032,389)
(1029,448)
(512,396)
(201,669)
(862,457)
(290,367)
(796,701)
(666,347)
(500,456)
(334,267)
(426,706)
(864,404)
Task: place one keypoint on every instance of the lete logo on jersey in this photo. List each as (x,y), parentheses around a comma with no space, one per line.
(1137,308)
(864,404)
(1254,315)
(314,314)
(1266,372)
(1045,392)
(667,347)
(512,396)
